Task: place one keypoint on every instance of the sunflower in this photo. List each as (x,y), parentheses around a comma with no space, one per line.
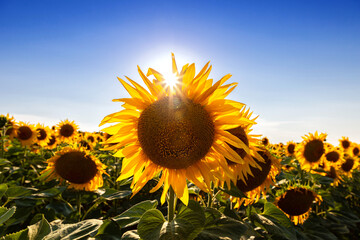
(296,202)
(349,165)
(67,131)
(345,143)
(259,180)
(43,134)
(355,149)
(77,167)
(333,157)
(265,141)
(175,131)
(52,141)
(335,174)
(10,126)
(311,151)
(26,133)
(290,148)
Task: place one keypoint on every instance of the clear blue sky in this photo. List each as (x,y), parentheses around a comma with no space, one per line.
(297,62)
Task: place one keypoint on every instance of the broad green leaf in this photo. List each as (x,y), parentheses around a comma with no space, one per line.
(275,230)
(130,235)
(60,207)
(49,193)
(20,235)
(18,192)
(132,215)
(74,231)
(112,194)
(218,226)
(39,230)
(5,213)
(270,210)
(4,161)
(150,224)
(3,189)
(109,230)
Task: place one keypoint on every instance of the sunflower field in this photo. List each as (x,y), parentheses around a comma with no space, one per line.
(178,161)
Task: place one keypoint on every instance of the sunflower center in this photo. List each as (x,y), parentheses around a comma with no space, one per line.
(24,133)
(66,130)
(291,148)
(332,156)
(42,134)
(76,167)
(91,139)
(52,140)
(175,133)
(356,151)
(314,150)
(296,202)
(345,144)
(348,164)
(332,173)
(240,133)
(259,177)
(265,141)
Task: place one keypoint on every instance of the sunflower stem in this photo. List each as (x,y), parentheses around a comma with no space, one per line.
(78,203)
(171,204)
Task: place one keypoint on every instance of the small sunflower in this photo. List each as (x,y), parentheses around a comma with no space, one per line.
(349,165)
(296,202)
(355,149)
(10,126)
(77,167)
(67,131)
(265,141)
(52,141)
(311,151)
(290,148)
(26,133)
(176,130)
(335,174)
(43,134)
(259,180)
(333,157)
(345,143)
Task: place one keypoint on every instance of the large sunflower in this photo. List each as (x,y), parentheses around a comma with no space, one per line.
(67,131)
(77,167)
(26,133)
(177,130)
(311,151)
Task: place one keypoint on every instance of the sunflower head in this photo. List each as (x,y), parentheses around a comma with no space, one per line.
(179,132)
(345,143)
(296,202)
(265,141)
(290,148)
(259,180)
(311,151)
(355,149)
(348,165)
(43,134)
(10,126)
(67,130)
(77,167)
(52,140)
(26,133)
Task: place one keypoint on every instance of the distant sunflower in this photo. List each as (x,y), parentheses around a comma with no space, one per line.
(335,174)
(259,180)
(26,133)
(178,130)
(42,134)
(265,141)
(52,141)
(333,157)
(296,202)
(10,127)
(355,149)
(67,131)
(345,143)
(348,166)
(290,148)
(311,151)
(77,167)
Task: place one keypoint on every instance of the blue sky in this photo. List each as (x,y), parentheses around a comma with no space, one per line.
(297,63)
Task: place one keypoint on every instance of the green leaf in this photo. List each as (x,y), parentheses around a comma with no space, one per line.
(112,194)
(4,161)
(20,235)
(233,191)
(130,235)
(74,231)
(132,216)
(49,193)
(39,230)
(109,230)
(3,189)
(218,226)
(150,224)
(18,192)
(5,213)
(273,212)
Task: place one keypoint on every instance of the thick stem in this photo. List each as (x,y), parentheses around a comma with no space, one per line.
(171,204)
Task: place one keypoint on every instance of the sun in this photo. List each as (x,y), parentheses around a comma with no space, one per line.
(171,82)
